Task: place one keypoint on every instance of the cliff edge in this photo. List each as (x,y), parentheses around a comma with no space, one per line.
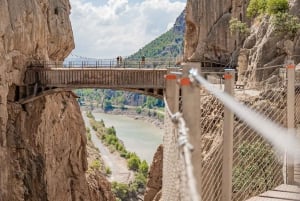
(42,143)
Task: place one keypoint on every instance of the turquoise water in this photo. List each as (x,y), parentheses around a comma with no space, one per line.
(138,136)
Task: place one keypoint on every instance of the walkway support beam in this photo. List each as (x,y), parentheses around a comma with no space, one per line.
(229,77)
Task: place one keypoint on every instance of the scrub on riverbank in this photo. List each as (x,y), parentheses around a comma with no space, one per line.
(138,136)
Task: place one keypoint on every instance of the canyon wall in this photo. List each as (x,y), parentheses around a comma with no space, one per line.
(42,143)
(208,37)
(207,34)
(266,47)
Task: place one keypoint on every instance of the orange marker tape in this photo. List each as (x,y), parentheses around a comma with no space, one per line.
(170,77)
(227,76)
(290,66)
(185,81)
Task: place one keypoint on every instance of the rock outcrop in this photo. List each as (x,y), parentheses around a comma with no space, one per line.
(266,47)
(154,183)
(207,29)
(42,143)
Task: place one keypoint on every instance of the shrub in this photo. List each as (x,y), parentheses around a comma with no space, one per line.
(138,110)
(95,165)
(108,171)
(139,181)
(256,7)
(111,131)
(246,173)
(286,23)
(88,134)
(90,115)
(143,168)
(123,153)
(133,162)
(120,190)
(277,6)
(236,26)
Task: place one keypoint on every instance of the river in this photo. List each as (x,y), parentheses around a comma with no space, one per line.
(138,136)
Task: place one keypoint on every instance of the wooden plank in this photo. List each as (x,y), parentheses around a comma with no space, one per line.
(281,195)
(264,199)
(288,188)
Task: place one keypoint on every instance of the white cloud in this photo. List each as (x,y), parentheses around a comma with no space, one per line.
(119,27)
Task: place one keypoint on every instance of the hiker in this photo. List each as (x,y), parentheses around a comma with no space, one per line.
(143,61)
(118,61)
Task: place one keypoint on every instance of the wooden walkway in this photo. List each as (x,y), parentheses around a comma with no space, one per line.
(281,193)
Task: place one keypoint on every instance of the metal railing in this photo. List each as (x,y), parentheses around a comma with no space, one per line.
(105,63)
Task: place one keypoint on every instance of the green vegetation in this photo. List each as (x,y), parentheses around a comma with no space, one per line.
(138,110)
(277,9)
(133,162)
(108,171)
(236,26)
(95,165)
(286,23)
(256,7)
(110,99)
(277,6)
(121,191)
(144,168)
(88,134)
(169,44)
(109,137)
(257,174)
(90,115)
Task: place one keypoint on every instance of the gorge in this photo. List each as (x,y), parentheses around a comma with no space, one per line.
(43,150)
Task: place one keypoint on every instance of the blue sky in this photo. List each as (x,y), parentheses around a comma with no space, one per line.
(108,28)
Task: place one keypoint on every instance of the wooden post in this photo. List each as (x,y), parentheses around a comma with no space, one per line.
(227,139)
(290,118)
(172,92)
(191,114)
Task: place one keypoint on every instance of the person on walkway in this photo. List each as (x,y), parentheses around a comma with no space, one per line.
(118,61)
(143,61)
(121,59)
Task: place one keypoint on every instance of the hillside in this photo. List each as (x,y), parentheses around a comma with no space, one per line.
(169,44)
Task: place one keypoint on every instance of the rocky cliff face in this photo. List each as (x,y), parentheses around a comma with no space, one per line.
(42,146)
(266,47)
(207,33)
(208,37)
(154,183)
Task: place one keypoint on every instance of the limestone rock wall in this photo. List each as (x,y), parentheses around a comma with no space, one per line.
(42,144)
(154,182)
(207,29)
(265,47)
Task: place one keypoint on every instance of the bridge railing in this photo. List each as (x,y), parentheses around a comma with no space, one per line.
(106,63)
(236,137)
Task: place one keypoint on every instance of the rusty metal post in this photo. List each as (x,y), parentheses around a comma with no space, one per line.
(290,118)
(228,139)
(191,114)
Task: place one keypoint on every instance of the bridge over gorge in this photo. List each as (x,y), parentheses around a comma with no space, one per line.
(223,154)
(145,77)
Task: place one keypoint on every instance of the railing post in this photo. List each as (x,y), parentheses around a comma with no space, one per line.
(290,118)
(191,114)
(228,139)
